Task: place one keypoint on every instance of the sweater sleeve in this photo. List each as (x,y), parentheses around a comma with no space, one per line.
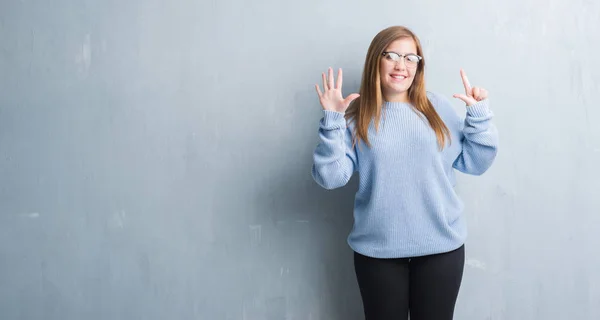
(334,159)
(479,141)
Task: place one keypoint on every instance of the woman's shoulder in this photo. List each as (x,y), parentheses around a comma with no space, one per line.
(438,100)
(350,124)
(443,106)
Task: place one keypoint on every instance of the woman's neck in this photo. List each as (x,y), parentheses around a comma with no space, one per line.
(400,97)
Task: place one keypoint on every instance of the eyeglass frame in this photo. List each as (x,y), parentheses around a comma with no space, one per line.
(403,57)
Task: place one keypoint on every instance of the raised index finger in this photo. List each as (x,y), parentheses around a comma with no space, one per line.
(465,81)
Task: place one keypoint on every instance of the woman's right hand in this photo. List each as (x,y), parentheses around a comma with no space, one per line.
(331,98)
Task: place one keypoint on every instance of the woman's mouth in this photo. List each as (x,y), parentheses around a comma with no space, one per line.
(398,77)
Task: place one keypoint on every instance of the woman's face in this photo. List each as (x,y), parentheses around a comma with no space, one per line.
(397,69)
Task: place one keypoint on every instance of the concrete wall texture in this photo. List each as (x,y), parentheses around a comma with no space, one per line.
(155,156)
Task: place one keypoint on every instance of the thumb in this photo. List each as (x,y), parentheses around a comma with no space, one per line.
(463,97)
(351,98)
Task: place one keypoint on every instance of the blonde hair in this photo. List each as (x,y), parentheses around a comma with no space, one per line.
(368,106)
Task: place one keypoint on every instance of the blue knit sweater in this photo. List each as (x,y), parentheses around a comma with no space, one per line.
(406,204)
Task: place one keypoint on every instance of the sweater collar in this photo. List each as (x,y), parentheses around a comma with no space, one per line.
(393,105)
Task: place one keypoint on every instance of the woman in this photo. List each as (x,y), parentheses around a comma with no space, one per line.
(404,142)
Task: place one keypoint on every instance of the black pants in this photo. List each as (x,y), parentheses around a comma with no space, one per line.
(426,286)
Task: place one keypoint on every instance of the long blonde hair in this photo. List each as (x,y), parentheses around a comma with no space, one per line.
(368,106)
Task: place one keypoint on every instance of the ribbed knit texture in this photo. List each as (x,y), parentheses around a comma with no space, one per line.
(406,204)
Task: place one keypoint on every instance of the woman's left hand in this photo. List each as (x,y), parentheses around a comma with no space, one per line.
(472,95)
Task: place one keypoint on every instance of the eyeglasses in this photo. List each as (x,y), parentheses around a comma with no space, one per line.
(411,60)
